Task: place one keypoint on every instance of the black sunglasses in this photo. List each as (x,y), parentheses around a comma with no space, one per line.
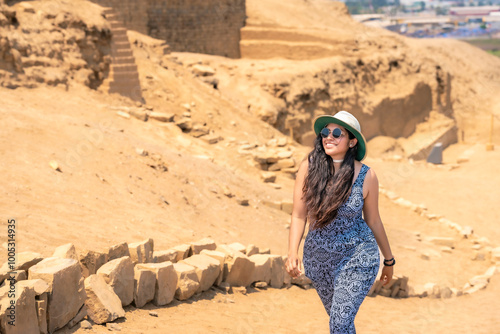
(336,133)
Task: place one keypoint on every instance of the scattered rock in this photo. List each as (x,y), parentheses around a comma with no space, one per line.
(140,114)
(199,130)
(144,286)
(301,281)
(166,255)
(207,269)
(162,116)
(118,251)
(153,314)
(262,271)
(119,275)
(113,327)
(54,165)
(142,252)
(166,281)
(202,244)
(185,124)
(287,206)
(103,305)
(91,261)
(66,251)
(123,114)
(183,251)
(282,164)
(203,70)
(268,177)
(277,271)
(85,324)
(78,317)
(187,281)
(242,201)
(67,291)
(238,247)
(219,256)
(23,302)
(239,289)
(251,250)
(442,241)
(261,285)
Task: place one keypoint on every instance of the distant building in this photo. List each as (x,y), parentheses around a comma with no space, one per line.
(473,11)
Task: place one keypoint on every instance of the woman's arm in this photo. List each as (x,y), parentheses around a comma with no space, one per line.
(372,218)
(297,226)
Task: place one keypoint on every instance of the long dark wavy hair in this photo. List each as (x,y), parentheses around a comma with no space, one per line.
(324,190)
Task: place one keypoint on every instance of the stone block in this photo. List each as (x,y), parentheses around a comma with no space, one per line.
(166,281)
(24,261)
(202,244)
(66,293)
(238,269)
(162,116)
(141,252)
(183,251)
(238,247)
(442,241)
(277,271)
(66,251)
(219,256)
(265,251)
(251,250)
(103,305)
(144,286)
(169,255)
(119,275)
(272,204)
(20,309)
(265,157)
(117,251)
(301,280)
(203,70)
(91,261)
(78,317)
(436,155)
(446,292)
(284,163)
(207,269)
(287,206)
(268,177)
(41,289)
(187,281)
(262,270)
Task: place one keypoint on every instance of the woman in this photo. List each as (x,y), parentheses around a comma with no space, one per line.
(332,189)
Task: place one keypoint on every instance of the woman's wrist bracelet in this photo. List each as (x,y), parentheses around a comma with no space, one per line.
(390,262)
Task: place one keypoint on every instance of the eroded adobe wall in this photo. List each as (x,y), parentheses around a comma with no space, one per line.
(201,26)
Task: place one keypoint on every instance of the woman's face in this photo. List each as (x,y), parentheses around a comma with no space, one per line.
(337,147)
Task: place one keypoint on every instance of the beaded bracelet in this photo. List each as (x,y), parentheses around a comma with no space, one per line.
(386,262)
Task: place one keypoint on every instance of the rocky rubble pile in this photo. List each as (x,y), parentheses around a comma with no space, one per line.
(54,43)
(68,287)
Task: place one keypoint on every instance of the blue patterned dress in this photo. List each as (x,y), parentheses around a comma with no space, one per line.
(342,260)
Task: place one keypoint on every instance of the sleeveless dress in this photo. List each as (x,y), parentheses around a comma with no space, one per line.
(342,260)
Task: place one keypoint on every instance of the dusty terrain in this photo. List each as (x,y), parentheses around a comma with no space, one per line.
(108,191)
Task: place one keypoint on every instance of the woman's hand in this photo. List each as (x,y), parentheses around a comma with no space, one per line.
(293,266)
(386,275)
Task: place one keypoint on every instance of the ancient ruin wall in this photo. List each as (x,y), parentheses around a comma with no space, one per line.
(202,26)
(133,13)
